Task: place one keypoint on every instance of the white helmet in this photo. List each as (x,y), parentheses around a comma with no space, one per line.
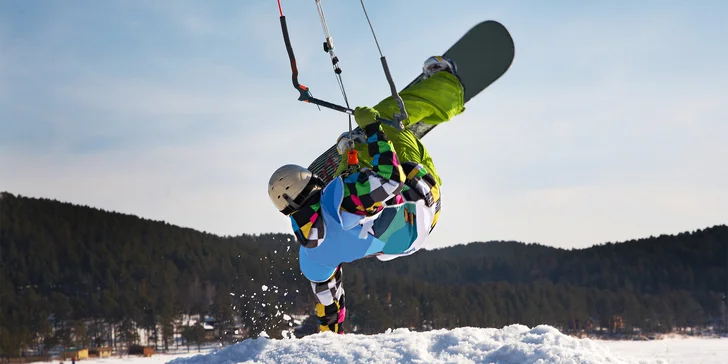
(291,185)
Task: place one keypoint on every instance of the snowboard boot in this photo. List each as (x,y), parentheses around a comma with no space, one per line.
(342,142)
(436,64)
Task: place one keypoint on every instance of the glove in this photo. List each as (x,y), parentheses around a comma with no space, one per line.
(365,115)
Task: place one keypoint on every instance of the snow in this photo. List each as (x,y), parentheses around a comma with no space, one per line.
(511,344)
(678,350)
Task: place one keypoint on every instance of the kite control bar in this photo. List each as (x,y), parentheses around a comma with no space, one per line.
(305,93)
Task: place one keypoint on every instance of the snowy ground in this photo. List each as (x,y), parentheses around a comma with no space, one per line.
(511,344)
(673,350)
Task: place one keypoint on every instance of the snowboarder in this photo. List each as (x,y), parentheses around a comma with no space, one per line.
(387,207)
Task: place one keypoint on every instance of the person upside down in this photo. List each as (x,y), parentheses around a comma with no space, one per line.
(386,208)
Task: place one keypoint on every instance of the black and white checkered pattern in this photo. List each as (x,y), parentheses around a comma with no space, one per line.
(327,292)
(420,188)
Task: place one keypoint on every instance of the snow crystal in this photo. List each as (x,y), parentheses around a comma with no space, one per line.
(265,288)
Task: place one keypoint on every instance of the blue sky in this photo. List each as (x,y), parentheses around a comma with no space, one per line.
(610,125)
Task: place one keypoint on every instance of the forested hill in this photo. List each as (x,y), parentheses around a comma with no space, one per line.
(77,262)
(687,261)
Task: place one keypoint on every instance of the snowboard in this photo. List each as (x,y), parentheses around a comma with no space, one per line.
(481,56)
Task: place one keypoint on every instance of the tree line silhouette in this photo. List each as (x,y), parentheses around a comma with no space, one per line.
(72,274)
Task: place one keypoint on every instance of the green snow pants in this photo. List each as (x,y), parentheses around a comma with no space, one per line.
(433,101)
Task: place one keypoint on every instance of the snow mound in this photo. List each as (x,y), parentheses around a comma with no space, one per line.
(511,344)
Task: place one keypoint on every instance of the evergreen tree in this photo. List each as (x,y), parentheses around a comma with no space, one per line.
(75,276)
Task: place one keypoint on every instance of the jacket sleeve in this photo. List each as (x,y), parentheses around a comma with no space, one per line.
(308,225)
(366,190)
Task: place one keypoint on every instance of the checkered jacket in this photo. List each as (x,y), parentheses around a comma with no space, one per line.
(365,191)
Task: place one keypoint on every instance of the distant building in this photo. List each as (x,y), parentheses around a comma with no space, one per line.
(75,354)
